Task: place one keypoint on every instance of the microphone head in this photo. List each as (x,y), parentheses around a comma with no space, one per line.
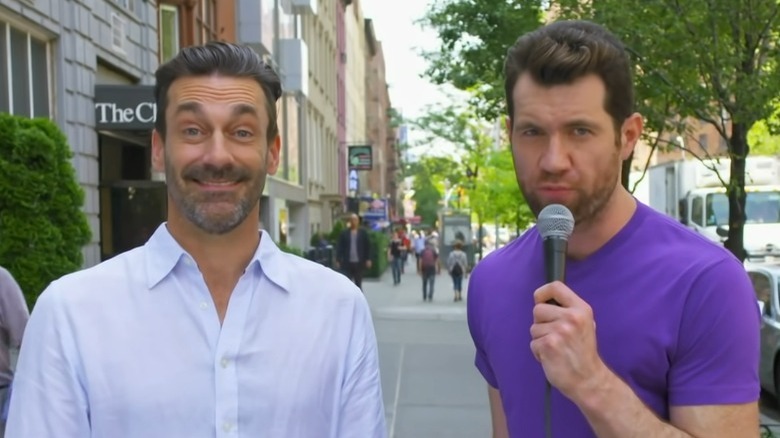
(555,220)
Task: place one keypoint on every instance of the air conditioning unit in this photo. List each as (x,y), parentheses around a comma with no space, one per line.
(303,7)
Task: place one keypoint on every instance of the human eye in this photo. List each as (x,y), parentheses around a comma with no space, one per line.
(243,133)
(191,131)
(581,131)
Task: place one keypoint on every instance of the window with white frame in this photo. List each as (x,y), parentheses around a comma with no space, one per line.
(169,32)
(24,73)
(127,4)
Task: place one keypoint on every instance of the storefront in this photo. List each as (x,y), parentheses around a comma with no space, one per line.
(133,201)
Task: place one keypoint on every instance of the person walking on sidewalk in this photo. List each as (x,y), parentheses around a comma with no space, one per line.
(429,267)
(394,254)
(353,252)
(457,266)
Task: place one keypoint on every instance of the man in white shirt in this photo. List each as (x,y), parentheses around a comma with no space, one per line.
(208,330)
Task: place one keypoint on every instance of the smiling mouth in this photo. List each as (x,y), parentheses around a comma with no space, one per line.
(216,184)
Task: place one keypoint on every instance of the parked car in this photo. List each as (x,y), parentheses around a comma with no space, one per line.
(766,283)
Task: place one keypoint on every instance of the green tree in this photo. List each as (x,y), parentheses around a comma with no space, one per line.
(711,60)
(497,194)
(42,227)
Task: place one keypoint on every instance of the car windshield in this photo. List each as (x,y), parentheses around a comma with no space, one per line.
(761,208)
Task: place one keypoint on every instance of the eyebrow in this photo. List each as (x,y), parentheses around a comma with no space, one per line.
(242,108)
(197,109)
(189,107)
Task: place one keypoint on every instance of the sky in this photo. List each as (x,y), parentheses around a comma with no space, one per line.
(402,38)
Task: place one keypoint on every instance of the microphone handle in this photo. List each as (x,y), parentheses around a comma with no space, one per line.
(555,260)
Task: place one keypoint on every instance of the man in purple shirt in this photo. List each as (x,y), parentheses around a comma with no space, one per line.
(657,332)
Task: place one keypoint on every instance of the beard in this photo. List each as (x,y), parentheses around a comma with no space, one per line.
(587,204)
(214,212)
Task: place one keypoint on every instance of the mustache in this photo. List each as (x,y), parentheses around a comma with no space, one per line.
(207,172)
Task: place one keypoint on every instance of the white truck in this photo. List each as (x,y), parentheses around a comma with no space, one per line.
(690,190)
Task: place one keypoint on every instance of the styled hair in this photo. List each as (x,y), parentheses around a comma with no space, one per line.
(564,51)
(218,58)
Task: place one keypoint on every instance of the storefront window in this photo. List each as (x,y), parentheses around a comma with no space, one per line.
(24,73)
(169,32)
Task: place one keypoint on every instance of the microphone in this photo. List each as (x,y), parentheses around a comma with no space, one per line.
(555,225)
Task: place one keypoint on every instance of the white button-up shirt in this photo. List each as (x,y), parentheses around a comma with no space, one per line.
(133,347)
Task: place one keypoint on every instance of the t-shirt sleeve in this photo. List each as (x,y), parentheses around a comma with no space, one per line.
(475,316)
(717,354)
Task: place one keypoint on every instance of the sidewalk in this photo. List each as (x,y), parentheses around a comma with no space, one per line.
(431,387)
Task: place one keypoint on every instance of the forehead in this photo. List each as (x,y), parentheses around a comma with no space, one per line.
(583,96)
(216,91)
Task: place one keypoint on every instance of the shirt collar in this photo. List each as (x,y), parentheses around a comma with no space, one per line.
(163,253)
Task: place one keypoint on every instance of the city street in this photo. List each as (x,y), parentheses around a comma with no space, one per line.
(431,388)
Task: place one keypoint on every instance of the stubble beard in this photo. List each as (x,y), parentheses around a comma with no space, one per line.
(586,207)
(199,208)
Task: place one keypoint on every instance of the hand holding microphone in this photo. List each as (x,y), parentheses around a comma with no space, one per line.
(563,336)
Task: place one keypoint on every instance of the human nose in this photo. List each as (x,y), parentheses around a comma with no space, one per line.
(555,158)
(218,151)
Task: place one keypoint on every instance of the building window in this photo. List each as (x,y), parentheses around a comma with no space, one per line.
(169,32)
(206,22)
(128,5)
(24,73)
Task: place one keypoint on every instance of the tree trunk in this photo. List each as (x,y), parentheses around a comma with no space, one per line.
(736,191)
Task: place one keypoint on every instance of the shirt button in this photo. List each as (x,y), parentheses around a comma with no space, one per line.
(224,362)
(204,305)
(227,427)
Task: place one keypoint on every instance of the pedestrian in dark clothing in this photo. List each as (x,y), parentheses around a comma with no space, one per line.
(353,252)
(428,266)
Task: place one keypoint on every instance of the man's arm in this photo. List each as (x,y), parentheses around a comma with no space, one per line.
(48,397)
(713,382)
(362,407)
(497,416)
(613,410)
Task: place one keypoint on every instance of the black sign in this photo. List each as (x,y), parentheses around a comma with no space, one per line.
(125,107)
(360,158)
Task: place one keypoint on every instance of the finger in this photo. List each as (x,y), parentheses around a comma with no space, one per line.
(544,312)
(558,292)
(541,330)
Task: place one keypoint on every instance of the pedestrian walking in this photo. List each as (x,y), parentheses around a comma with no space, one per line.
(457,266)
(429,267)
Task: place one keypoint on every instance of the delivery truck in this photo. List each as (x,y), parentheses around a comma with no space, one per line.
(693,191)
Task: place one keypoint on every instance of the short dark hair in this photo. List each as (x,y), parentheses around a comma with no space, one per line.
(220,58)
(563,51)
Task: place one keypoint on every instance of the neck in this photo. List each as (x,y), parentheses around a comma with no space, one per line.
(224,254)
(590,236)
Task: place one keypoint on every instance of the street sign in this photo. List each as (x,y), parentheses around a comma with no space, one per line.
(360,157)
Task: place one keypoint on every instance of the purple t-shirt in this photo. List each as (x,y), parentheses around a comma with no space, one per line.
(676,319)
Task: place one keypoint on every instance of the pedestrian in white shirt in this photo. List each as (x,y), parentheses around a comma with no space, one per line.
(208,330)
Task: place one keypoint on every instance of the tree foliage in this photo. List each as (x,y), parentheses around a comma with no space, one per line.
(715,61)
(42,227)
